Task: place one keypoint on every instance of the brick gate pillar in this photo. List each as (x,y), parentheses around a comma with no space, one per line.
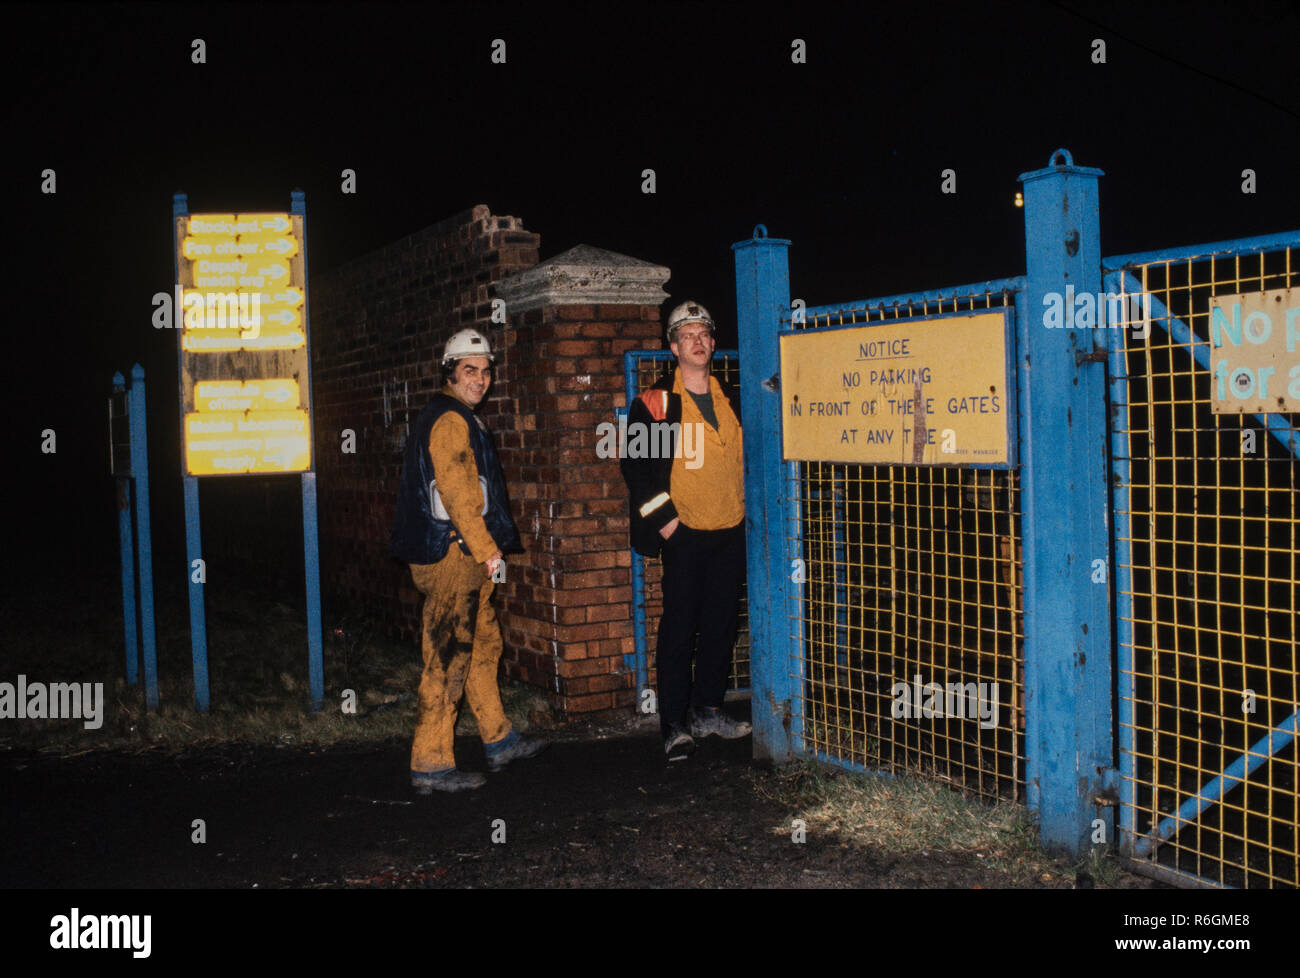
(566,607)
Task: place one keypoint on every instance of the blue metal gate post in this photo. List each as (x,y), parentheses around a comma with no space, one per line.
(127,552)
(762,295)
(640,663)
(144,550)
(1065,494)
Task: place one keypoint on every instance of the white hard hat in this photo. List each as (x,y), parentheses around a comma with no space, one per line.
(688,312)
(467,343)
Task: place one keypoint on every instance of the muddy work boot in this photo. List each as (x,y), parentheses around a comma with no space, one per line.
(515,746)
(678,744)
(707,721)
(426,783)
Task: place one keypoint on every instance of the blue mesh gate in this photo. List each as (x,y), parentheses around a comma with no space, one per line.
(1133,580)
(912,575)
(1207,521)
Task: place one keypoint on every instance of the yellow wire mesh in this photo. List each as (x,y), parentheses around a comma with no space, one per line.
(913,577)
(1212,553)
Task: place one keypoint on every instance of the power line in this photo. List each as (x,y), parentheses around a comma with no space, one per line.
(1186,66)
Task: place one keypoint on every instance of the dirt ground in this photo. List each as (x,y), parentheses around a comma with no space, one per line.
(601,808)
(295,800)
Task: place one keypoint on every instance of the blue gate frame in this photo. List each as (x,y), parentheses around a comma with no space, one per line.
(1063,432)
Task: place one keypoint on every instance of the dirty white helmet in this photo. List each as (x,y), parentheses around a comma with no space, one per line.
(688,312)
(467,343)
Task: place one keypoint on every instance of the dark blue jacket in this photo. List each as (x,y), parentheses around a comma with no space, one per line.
(419,537)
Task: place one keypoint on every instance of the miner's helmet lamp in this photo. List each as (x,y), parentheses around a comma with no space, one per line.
(688,312)
(466,343)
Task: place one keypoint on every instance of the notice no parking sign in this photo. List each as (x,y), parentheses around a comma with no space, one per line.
(920,392)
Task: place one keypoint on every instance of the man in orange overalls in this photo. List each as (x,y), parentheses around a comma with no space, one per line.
(453,522)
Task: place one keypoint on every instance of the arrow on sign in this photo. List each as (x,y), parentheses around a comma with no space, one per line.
(277,223)
(280,246)
(273,269)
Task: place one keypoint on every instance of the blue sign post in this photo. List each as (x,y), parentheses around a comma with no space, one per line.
(310,541)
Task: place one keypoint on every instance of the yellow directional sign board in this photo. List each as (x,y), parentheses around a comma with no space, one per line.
(245,394)
(1255,353)
(920,392)
(231,442)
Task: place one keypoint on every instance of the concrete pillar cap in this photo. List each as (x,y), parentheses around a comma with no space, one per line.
(585,275)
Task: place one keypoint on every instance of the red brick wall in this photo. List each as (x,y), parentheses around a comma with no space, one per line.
(378,327)
(568,617)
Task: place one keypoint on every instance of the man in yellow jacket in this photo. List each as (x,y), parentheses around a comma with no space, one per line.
(691,505)
(452,524)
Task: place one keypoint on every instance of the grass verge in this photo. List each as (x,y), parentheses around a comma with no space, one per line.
(257,664)
(909,815)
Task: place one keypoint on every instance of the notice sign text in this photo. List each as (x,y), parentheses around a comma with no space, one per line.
(923,392)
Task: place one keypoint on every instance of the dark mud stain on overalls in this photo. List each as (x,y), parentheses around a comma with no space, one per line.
(455,635)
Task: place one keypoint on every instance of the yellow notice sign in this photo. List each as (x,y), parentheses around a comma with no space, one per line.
(230,442)
(1255,353)
(928,392)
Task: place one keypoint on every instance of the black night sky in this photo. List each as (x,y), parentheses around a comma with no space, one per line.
(842,155)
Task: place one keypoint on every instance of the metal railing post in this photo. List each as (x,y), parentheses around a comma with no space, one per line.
(1066,494)
(762,294)
(144,549)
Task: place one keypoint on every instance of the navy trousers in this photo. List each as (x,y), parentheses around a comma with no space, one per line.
(703,574)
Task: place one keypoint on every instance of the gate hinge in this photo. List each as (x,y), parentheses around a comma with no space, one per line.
(1095,355)
(1108,786)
